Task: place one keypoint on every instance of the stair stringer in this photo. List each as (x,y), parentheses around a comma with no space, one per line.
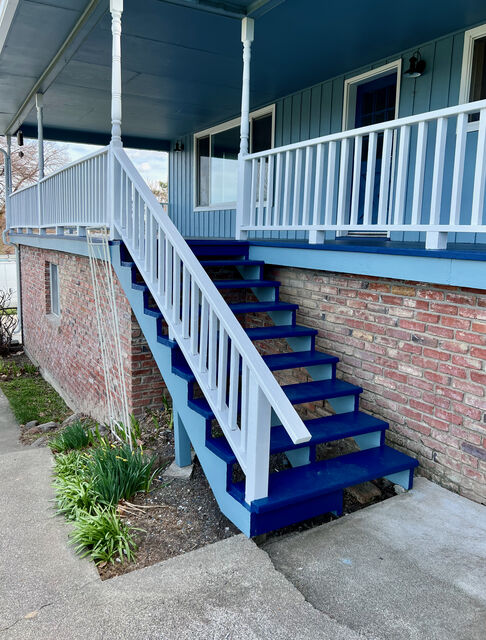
(214,467)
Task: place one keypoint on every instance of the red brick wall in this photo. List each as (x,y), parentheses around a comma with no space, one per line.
(418,351)
(66,347)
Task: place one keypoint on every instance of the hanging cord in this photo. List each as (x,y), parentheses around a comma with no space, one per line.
(109,332)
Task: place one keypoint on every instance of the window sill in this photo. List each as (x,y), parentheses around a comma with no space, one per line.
(216,207)
(54,319)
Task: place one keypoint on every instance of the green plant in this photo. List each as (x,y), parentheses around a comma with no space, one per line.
(134,431)
(168,408)
(70,464)
(30,368)
(118,472)
(74,495)
(74,436)
(103,536)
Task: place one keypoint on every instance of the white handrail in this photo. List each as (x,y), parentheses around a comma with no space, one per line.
(427,116)
(212,340)
(408,174)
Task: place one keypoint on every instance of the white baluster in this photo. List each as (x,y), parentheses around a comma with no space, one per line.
(402,171)
(480,173)
(370,179)
(356,181)
(386,163)
(459,166)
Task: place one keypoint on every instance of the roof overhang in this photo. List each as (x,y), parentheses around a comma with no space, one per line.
(181,59)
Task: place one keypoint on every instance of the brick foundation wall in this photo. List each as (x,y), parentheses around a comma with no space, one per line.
(418,351)
(67,348)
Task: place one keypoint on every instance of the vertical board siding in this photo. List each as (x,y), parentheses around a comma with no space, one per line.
(318,111)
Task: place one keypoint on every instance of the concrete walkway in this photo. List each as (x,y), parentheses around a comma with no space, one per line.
(410,568)
(9,429)
(413,567)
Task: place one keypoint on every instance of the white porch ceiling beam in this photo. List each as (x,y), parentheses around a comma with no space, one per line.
(88,20)
(228,9)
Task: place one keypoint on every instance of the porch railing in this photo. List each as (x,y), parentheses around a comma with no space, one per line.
(421,173)
(106,189)
(74,196)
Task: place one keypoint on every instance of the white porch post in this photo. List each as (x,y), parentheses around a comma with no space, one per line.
(116,9)
(39,105)
(243,198)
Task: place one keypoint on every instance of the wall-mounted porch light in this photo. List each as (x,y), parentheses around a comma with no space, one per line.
(417,66)
(179,146)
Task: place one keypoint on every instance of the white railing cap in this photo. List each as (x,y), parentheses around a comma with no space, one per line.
(428,116)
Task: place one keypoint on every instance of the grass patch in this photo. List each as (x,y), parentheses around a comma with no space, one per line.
(32,398)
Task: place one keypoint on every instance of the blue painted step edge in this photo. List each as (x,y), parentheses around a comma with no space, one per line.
(299,393)
(325,429)
(327,476)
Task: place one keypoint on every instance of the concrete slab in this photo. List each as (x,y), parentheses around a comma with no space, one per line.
(36,564)
(228,590)
(9,428)
(410,568)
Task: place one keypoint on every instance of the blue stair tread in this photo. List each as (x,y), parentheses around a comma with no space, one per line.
(232,263)
(244,284)
(325,429)
(180,366)
(201,405)
(280,331)
(296,393)
(127,263)
(309,481)
(257,307)
(296,359)
(319,390)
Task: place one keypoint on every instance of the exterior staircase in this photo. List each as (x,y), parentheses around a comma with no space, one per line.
(310,486)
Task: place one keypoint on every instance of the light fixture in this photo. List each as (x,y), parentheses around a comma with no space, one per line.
(179,146)
(20,138)
(417,66)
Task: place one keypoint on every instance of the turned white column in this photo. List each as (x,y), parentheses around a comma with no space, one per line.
(116,9)
(39,105)
(243,197)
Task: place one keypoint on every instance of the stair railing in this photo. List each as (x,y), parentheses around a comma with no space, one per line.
(237,384)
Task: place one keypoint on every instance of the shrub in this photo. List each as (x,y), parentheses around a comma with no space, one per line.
(118,472)
(103,536)
(74,436)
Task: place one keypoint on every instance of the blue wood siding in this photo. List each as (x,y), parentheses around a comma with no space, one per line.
(317,111)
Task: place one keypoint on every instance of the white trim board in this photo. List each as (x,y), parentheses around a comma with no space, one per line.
(7,12)
(467,59)
(351,84)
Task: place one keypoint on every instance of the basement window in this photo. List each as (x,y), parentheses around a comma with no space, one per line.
(216,158)
(53,298)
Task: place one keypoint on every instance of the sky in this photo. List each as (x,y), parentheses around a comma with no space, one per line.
(153,165)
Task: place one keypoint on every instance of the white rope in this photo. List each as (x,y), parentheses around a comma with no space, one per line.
(109,331)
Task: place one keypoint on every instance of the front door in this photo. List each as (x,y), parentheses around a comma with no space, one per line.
(375,103)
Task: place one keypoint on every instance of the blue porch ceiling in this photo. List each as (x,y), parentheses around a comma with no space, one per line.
(182,59)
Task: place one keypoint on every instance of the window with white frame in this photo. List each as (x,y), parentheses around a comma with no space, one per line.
(216,157)
(53,298)
(473,77)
